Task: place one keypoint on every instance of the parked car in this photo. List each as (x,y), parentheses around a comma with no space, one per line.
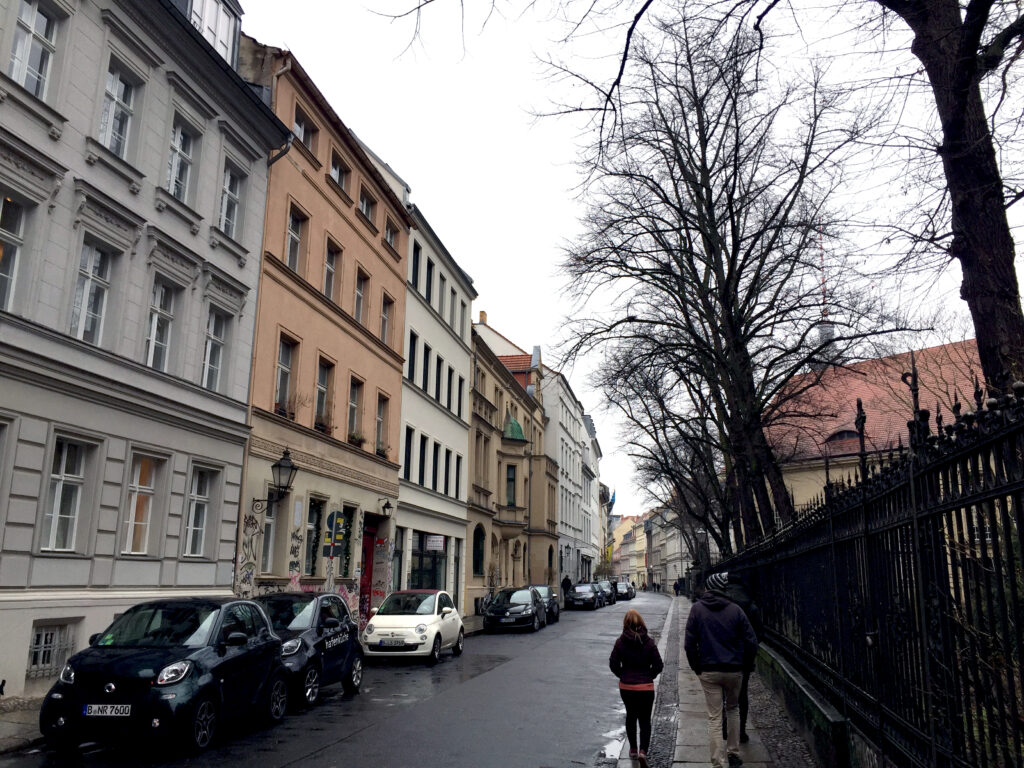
(169,668)
(601,600)
(320,642)
(414,622)
(550,598)
(583,596)
(624,590)
(608,591)
(515,607)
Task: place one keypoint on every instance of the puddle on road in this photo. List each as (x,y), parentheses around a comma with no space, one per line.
(613,748)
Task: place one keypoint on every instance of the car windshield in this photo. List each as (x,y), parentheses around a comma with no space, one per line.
(289,612)
(157,626)
(605,585)
(407,604)
(545,592)
(512,597)
(584,589)
(621,587)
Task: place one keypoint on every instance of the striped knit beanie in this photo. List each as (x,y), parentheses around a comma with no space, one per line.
(718,581)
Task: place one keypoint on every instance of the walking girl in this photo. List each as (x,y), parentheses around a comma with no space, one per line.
(636,662)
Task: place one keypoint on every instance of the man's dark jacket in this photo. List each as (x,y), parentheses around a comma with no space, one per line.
(635,659)
(719,636)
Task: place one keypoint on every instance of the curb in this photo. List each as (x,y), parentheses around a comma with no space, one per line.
(18,743)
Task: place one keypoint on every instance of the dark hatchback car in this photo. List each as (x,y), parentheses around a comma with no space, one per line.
(513,607)
(624,590)
(320,642)
(550,598)
(169,668)
(608,590)
(583,596)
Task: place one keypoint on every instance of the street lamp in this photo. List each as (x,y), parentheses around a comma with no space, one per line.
(283,473)
(386,509)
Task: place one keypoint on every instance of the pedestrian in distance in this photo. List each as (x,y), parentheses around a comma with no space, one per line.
(566,586)
(636,662)
(720,643)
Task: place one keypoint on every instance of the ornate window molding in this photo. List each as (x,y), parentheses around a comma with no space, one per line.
(28,171)
(107,218)
(173,259)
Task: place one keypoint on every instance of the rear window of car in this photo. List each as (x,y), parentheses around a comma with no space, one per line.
(584,589)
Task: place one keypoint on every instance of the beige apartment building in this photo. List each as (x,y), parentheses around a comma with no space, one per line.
(327,371)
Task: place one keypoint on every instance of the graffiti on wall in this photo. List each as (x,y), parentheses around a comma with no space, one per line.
(383,555)
(248,554)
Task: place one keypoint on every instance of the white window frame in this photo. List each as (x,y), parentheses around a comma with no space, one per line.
(339,171)
(51,645)
(381,422)
(355,406)
(367,204)
(331,256)
(26,34)
(159,313)
(451,309)
(267,553)
(390,233)
(293,249)
(218,25)
(199,507)
(230,201)
(113,106)
(10,240)
(324,376)
(359,305)
(179,162)
(137,492)
(94,269)
(442,289)
(283,369)
(214,343)
(387,304)
(61,481)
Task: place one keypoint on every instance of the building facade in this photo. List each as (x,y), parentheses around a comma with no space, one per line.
(133,175)
(327,369)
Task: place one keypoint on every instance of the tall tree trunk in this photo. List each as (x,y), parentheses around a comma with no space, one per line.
(982,241)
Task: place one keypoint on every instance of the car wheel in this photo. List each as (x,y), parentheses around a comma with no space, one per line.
(202,725)
(276,703)
(460,644)
(354,678)
(311,685)
(435,650)
(63,744)
(556,615)
(536,623)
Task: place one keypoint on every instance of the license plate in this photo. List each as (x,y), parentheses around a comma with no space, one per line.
(507,621)
(106,710)
(393,641)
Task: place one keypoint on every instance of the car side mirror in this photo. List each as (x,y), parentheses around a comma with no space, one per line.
(94,637)
(446,611)
(373,612)
(236,639)
(330,623)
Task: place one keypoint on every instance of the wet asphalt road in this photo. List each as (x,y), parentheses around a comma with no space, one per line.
(512,700)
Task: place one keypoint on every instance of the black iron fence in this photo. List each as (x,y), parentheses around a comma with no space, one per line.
(901,595)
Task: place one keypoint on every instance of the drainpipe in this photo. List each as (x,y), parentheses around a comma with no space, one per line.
(273,103)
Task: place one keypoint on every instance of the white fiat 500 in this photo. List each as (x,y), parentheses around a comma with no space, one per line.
(414,622)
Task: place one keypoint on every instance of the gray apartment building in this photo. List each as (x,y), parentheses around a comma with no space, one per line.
(133,166)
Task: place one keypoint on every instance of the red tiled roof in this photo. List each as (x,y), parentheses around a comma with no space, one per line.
(516,363)
(829,409)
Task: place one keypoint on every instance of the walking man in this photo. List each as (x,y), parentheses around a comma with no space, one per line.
(566,586)
(719,643)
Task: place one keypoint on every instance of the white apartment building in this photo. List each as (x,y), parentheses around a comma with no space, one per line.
(591,498)
(133,168)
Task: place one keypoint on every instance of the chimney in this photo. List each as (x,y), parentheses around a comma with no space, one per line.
(483,317)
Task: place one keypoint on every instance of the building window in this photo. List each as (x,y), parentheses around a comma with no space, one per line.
(331,259)
(230,202)
(479,540)
(387,306)
(425,380)
(179,165)
(355,409)
(428,567)
(416,252)
(450,390)
(428,288)
(11,217)
(367,205)
(447,470)
(451,309)
(435,466)
(314,519)
(324,386)
(438,370)
(339,171)
(396,560)
(51,646)
(462,319)
(267,555)
(304,130)
(410,372)
(283,388)
(510,485)
(423,460)
(34,48)
(141,490)
(198,512)
(116,118)
(218,24)
(462,386)
(362,285)
(442,291)
(458,475)
(67,479)
(216,332)
(161,316)
(407,465)
(296,235)
(91,294)
(381,425)
(390,233)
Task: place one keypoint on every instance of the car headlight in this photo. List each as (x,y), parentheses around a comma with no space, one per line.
(421,629)
(291,646)
(527,609)
(67,675)
(369,629)
(174,673)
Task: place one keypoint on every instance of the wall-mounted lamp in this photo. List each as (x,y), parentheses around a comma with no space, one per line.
(283,473)
(386,509)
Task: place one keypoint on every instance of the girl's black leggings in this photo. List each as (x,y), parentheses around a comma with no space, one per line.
(638,709)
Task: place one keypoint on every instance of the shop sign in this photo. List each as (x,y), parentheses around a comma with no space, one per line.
(433,543)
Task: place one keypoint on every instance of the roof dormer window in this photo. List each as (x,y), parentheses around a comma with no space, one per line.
(217,20)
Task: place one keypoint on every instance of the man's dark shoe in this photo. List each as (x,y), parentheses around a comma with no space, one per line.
(735,761)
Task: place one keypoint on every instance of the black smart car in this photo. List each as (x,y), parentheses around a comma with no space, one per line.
(321,642)
(515,607)
(583,596)
(550,598)
(169,668)
(608,590)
